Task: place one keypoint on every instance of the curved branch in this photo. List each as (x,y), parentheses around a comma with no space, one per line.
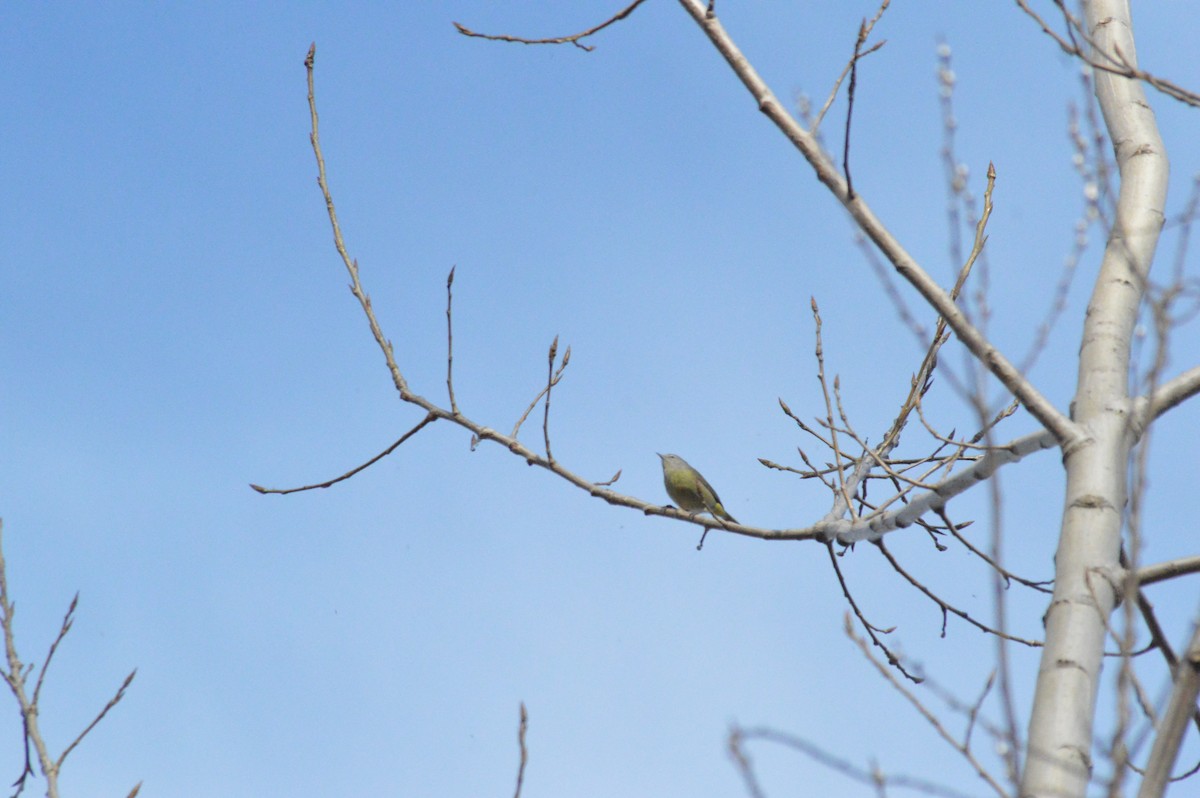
(1174,392)
(572,39)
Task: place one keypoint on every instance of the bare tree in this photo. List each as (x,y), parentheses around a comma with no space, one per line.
(1102,436)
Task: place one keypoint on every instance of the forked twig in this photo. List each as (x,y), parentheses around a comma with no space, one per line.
(16,675)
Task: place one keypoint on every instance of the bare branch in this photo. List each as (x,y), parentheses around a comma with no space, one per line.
(858,43)
(572,39)
(1159,572)
(112,702)
(1174,392)
(874,777)
(521,729)
(552,380)
(450,340)
(744,766)
(874,527)
(67,622)
(842,502)
(1008,575)
(948,607)
(815,123)
(429,419)
(16,675)
(872,630)
(543,392)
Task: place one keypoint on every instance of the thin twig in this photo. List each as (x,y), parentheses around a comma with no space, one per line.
(15,676)
(833,445)
(67,622)
(858,43)
(572,39)
(554,381)
(524,725)
(947,607)
(450,340)
(892,659)
(873,777)
(814,123)
(116,699)
(1007,574)
(744,766)
(550,383)
(429,419)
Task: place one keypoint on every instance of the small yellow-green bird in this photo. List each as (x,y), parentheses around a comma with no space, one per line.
(688,488)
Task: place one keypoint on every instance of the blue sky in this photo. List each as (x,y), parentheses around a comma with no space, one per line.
(176,325)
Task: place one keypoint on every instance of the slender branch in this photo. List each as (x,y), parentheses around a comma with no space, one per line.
(892,659)
(553,381)
(429,419)
(521,729)
(873,777)
(67,623)
(815,124)
(1174,392)
(572,39)
(842,503)
(1008,575)
(858,43)
(351,265)
(947,607)
(550,383)
(14,676)
(825,530)
(450,340)
(744,766)
(112,702)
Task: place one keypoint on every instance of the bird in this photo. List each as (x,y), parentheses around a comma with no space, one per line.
(688,488)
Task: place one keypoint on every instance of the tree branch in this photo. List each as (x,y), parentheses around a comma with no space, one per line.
(1065,431)
(572,39)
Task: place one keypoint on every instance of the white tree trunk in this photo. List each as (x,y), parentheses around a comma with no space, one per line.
(1088,577)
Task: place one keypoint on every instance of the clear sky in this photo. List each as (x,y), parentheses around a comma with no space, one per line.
(175,325)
